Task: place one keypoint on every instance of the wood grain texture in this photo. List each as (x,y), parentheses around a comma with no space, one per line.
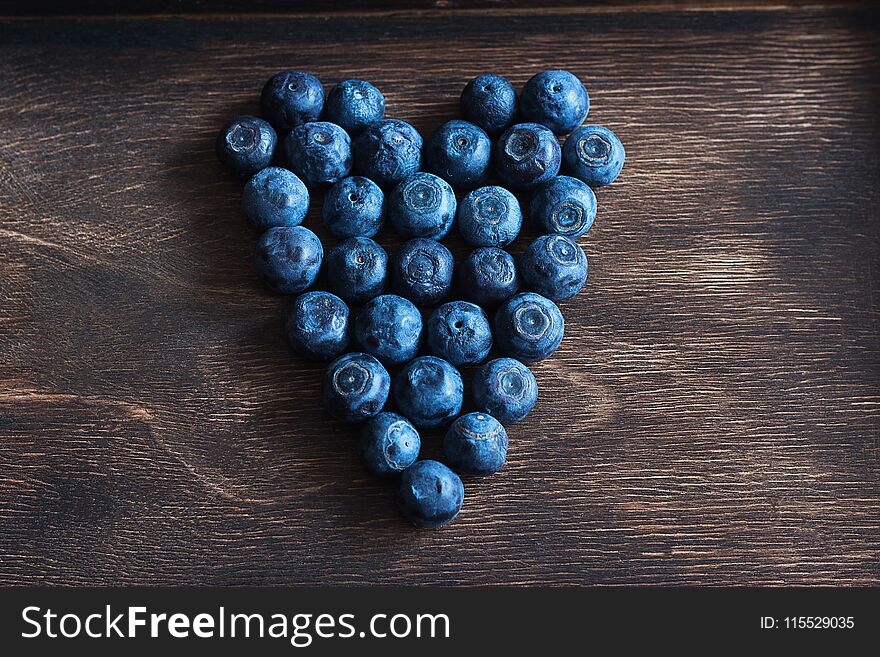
(713,414)
(212,8)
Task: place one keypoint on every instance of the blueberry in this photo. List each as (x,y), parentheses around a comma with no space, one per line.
(488,276)
(388,151)
(355,387)
(291,98)
(390,328)
(459,332)
(489,101)
(318,152)
(527,155)
(354,104)
(317,325)
(275,197)
(429,391)
(554,266)
(422,205)
(288,258)
(506,389)
(528,327)
(475,444)
(246,145)
(389,444)
(459,152)
(489,216)
(594,154)
(565,205)
(357,269)
(430,494)
(421,271)
(556,99)
(354,207)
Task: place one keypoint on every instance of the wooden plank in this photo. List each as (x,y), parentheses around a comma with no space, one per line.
(129,8)
(712,415)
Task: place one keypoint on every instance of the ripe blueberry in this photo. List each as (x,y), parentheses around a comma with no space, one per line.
(488,276)
(422,205)
(430,494)
(275,197)
(554,266)
(594,154)
(475,444)
(354,104)
(246,145)
(428,391)
(421,271)
(459,152)
(489,216)
(318,152)
(288,258)
(506,389)
(388,151)
(564,205)
(291,98)
(390,328)
(528,327)
(354,207)
(526,155)
(459,332)
(389,444)
(357,269)
(489,101)
(355,387)
(317,325)
(556,99)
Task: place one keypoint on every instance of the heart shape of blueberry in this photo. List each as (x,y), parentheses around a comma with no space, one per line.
(378,171)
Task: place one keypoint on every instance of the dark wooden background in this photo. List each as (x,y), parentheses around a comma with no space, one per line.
(712,417)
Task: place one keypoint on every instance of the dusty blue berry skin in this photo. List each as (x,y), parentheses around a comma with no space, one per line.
(459,152)
(429,494)
(475,444)
(355,387)
(488,276)
(422,205)
(317,325)
(388,151)
(357,269)
(389,444)
(459,332)
(489,216)
(565,205)
(594,154)
(354,104)
(390,328)
(354,207)
(528,327)
(291,98)
(318,152)
(429,391)
(421,271)
(246,145)
(275,197)
(554,266)
(556,99)
(489,101)
(505,389)
(527,155)
(288,258)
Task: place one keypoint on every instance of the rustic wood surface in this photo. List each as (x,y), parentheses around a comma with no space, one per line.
(711,418)
(29,8)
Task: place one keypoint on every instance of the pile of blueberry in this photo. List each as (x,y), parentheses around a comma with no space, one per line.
(413,186)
